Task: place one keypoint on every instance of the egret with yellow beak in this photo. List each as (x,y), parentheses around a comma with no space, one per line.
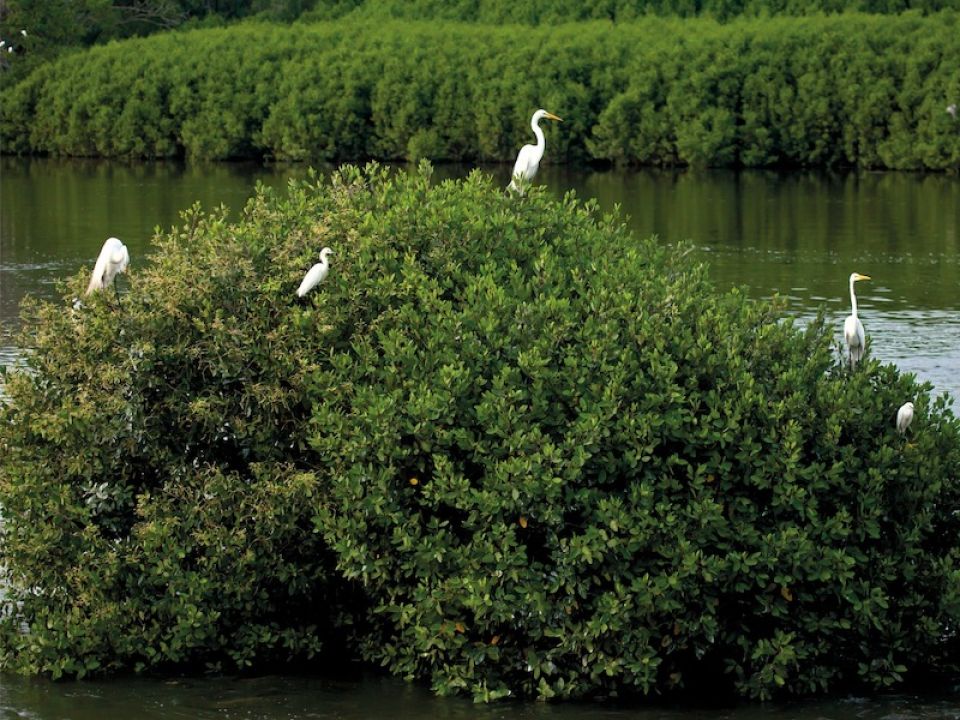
(852,327)
(528,159)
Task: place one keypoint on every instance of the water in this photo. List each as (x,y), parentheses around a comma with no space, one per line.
(798,235)
(367,697)
(55,215)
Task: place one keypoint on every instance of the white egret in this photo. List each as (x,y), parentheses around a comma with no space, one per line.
(528,159)
(904,417)
(113,259)
(952,109)
(316,274)
(852,327)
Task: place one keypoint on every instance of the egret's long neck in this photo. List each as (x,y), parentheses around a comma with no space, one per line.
(853,297)
(541,141)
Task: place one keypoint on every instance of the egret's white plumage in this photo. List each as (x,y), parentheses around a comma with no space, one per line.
(113,259)
(528,159)
(316,274)
(852,327)
(904,417)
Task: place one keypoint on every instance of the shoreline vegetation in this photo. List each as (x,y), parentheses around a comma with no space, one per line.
(841,90)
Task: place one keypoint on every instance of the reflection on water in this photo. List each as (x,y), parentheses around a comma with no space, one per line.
(800,235)
(377,698)
(55,214)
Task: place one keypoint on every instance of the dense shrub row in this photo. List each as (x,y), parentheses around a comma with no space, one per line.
(59,26)
(539,12)
(554,461)
(860,90)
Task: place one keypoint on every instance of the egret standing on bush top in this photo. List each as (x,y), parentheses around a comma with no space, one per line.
(113,259)
(904,417)
(316,274)
(852,327)
(528,159)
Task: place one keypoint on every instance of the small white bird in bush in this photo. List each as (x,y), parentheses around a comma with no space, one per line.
(316,274)
(904,417)
(852,327)
(952,110)
(113,259)
(528,159)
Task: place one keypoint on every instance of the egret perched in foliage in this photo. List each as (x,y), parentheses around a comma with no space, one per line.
(316,274)
(528,159)
(904,417)
(852,327)
(113,259)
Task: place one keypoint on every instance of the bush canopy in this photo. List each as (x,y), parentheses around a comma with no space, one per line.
(845,90)
(504,448)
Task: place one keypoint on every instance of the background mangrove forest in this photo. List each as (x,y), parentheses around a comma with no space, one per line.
(742,85)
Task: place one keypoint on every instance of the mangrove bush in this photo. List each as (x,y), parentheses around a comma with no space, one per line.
(504,448)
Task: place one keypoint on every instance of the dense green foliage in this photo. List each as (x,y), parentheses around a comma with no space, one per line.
(85,22)
(555,461)
(66,23)
(154,511)
(548,12)
(56,26)
(855,90)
